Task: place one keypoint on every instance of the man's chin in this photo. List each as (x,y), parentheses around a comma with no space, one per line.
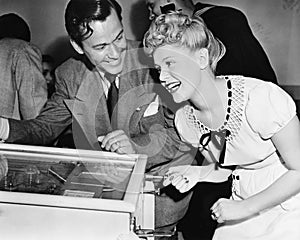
(114,69)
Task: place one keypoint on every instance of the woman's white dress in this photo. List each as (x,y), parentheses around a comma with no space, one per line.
(259,110)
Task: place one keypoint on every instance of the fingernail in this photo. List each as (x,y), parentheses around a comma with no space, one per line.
(100,138)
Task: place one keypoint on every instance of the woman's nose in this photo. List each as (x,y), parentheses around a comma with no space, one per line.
(163,77)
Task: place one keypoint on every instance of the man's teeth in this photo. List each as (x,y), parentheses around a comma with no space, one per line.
(172,87)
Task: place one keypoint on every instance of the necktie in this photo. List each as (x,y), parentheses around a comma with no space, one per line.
(113,93)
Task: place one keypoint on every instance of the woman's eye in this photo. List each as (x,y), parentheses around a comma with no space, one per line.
(169,63)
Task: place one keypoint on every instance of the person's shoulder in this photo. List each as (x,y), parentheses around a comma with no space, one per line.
(14,43)
(19,47)
(227,12)
(263,92)
(268,107)
(71,73)
(254,84)
(72,64)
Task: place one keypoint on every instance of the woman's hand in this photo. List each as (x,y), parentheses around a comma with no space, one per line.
(230,210)
(182,177)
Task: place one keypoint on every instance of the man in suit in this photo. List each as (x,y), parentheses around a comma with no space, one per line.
(137,124)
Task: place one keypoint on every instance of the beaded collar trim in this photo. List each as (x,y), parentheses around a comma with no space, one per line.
(234,112)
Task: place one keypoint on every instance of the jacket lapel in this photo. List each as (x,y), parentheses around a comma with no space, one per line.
(132,93)
(89,108)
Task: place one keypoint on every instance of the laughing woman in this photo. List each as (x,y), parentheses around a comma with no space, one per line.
(234,121)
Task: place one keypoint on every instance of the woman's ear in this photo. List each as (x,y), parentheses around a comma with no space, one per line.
(77,48)
(203,58)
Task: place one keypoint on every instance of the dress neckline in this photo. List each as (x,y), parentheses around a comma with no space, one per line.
(234,111)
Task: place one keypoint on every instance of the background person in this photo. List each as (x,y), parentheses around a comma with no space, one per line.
(48,72)
(23,87)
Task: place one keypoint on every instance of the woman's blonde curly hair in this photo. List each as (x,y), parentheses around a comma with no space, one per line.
(178,29)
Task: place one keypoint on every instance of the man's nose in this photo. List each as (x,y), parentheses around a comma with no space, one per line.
(114,51)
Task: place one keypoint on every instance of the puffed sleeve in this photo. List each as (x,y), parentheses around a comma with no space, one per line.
(269,109)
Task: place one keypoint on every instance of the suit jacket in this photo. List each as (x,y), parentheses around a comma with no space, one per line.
(244,54)
(23,91)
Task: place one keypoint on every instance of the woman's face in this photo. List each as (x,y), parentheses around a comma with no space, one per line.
(179,71)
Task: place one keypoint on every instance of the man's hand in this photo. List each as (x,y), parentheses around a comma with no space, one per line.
(117,141)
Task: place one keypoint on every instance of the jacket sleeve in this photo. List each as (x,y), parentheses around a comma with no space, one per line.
(32,87)
(50,123)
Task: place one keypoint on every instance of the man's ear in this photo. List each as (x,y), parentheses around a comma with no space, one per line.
(203,58)
(77,48)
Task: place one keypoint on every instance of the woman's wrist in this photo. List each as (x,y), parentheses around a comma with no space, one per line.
(204,172)
(251,206)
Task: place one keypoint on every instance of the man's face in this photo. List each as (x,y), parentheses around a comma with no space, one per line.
(157,7)
(106,47)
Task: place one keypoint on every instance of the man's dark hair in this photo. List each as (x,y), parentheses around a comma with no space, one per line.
(80,13)
(13,26)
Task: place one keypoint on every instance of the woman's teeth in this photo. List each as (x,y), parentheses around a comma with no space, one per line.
(173,87)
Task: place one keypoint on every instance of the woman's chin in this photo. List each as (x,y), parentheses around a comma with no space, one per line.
(178,99)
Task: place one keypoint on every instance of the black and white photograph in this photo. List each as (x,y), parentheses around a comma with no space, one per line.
(149,119)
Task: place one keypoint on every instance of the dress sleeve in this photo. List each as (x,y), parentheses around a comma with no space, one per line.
(269,109)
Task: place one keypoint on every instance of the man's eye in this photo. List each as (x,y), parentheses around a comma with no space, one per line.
(100,48)
(120,37)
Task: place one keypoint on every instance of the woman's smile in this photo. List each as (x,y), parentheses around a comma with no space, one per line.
(173,87)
